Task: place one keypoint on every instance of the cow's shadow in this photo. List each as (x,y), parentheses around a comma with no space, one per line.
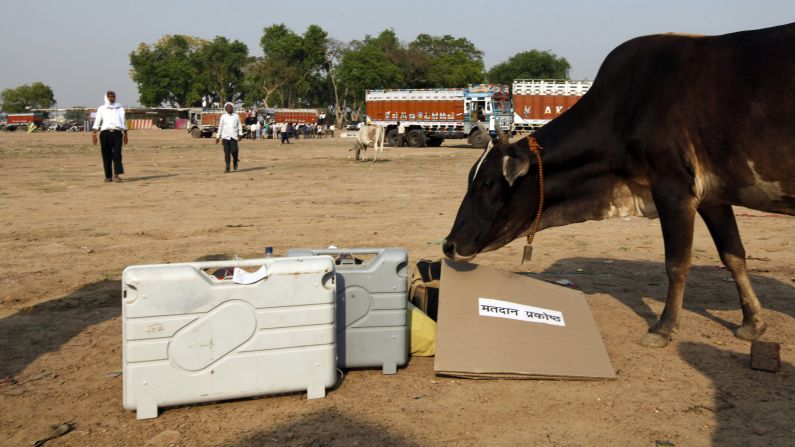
(749,407)
(45,327)
(709,288)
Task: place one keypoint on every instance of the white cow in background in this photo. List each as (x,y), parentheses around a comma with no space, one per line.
(370,135)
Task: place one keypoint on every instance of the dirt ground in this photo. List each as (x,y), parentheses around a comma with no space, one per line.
(66,237)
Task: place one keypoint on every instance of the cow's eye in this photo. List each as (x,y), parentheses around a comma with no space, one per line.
(487,184)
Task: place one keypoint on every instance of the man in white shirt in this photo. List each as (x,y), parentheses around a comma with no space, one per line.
(229,130)
(110,122)
(401,135)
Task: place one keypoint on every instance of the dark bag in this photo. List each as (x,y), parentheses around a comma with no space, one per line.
(424,286)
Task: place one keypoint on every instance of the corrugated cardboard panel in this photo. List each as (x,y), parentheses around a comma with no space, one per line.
(536,330)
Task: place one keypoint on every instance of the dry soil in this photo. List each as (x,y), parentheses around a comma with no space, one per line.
(66,236)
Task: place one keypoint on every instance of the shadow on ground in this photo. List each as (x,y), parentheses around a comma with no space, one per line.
(254,168)
(148,177)
(751,407)
(708,287)
(45,327)
(327,428)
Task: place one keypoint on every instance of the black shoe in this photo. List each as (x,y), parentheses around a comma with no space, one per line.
(108,180)
(226,171)
(235,166)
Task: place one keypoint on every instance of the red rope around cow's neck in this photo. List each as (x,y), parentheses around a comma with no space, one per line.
(536,149)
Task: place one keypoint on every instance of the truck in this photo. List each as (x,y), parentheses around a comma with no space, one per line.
(13,121)
(295,116)
(432,115)
(204,123)
(538,101)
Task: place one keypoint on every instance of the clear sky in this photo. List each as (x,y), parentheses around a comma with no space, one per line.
(81,48)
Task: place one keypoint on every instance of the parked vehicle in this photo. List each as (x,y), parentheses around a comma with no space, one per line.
(433,115)
(537,101)
(295,116)
(13,121)
(204,123)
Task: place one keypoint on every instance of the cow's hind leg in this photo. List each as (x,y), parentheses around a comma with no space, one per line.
(723,228)
(677,212)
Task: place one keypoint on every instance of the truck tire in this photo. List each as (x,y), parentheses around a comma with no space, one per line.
(434,142)
(479,139)
(391,138)
(196,132)
(415,138)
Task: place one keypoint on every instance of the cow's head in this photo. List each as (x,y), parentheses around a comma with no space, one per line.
(500,203)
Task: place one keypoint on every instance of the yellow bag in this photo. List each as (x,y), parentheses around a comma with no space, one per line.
(423,332)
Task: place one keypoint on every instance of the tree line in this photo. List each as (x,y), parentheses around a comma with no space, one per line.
(303,70)
(25,97)
(315,70)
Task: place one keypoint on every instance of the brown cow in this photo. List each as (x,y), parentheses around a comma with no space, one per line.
(673,126)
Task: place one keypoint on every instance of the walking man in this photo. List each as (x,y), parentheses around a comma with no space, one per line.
(229,130)
(286,129)
(401,129)
(112,136)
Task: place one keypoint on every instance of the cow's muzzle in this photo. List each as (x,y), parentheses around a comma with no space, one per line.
(449,250)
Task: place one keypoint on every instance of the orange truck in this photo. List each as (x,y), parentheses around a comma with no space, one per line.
(295,116)
(432,115)
(16,120)
(537,101)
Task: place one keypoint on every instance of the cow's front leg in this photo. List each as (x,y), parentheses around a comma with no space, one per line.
(677,210)
(723,228)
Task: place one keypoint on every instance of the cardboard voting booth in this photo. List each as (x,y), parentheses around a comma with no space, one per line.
(497,324)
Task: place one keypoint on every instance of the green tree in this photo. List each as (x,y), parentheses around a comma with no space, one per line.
(266,79)
(168,71)
(29,96)
(533,64)
(454,62)
(220,64)
(293,70)
(367,65)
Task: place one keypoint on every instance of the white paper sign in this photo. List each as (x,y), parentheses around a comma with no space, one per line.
(241,276)
(488,307)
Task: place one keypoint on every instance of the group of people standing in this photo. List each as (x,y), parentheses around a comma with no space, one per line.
(110,131)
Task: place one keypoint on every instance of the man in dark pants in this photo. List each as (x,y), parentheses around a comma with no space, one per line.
(229,130)
(401,136)
(110,122)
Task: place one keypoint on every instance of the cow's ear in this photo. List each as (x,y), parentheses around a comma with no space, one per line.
(514,165)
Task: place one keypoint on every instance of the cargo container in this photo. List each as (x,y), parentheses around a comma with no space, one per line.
(295,116)
(433,115)
(537,101)
(16,120)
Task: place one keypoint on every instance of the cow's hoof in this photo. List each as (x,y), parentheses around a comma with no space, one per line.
(652,340)
(751,332)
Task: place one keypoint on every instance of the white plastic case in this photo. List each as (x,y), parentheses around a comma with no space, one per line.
(371,306)
(190,337)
